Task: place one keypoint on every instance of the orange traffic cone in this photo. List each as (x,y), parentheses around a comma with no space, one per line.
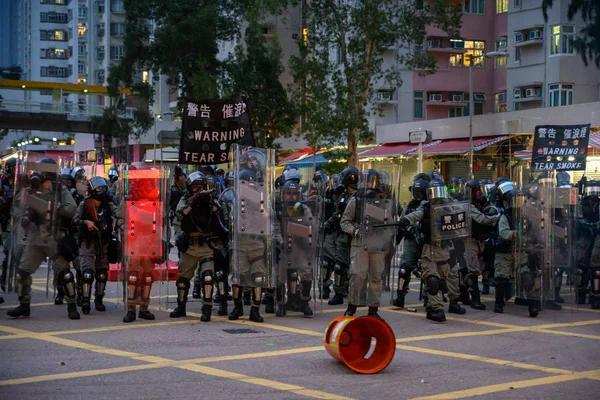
(348,339)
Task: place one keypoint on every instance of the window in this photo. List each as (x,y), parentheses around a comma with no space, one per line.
(54,18)
(55,53)
(478,103)
(517,94)
(501,6)
(517,3)
(57,2)
(501,44)
(516,106)
(474,49)
(83,12)
(562,39)
(560,95)
(418,105)
(100,4)
(43,35)
(82,48)
(474,6)
(52,71)
(500,61)
(81,68)
(117,6)
(500,102)
(455,112)
(517,55)
(100,53)
(117,29)
(57,35)
(116,52)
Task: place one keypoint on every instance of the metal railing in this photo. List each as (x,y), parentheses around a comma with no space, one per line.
(84,111)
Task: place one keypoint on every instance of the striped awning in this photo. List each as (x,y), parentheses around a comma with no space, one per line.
(394,149)
(595,140)
(460,146)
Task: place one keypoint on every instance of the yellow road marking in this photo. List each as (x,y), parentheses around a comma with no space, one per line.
(457,334)
(488,360)
(471,321)
(12,337)
(581,309)
(122,327)
(565,333)
(32,305)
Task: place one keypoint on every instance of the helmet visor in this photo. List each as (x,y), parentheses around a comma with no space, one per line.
(437,192)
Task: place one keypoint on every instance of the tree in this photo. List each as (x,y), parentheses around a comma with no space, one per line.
(176,38)
(254,71)
(587,43)
(333,95)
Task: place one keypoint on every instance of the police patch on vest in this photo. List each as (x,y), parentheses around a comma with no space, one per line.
(453,222)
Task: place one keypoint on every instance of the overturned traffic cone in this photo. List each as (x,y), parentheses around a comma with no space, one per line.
(348,339)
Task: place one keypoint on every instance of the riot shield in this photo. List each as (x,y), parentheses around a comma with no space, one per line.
(378,212)
(252,248)
(36,224)
(145,250)
(450,229)
(534,244)
(564,242)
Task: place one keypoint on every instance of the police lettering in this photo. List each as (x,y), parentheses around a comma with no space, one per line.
(453,227)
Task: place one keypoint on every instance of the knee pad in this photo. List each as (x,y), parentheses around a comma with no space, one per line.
(596,282)
(402,272)
(21,275)
(472,280)
(66,276)
(433,285)
(444,286)
(337,268)
(220,276)
(208,277)
(101,276)
(132,284)
(258,279)
(527,281)
(182,283)
(88,276)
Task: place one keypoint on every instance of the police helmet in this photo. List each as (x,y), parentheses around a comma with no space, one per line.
(98,187)
(563,180)
(291,193)
(46,170)
(78,173)
(421,176)
(437,190)
(435,175)
(196,182)
(206,170)
(457,188)
(545,179)
(591,189)
(10,166)
(220,172)
(113,174)
(479,194)
(292,175)
(419,189)
(253,160)
(350,178)
(247,175)
(66,178)
(229,178)
(212,183)
(279,181)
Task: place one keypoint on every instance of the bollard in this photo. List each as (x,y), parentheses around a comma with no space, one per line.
(348,339)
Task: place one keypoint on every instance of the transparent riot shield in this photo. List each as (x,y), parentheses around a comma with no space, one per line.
(37,226)
(252,247)
(533,270)
(145,250)
(564,244)
(299,225)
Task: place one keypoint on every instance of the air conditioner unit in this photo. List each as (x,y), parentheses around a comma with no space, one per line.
(457,98)
(384,95)
(435,97)
(519,37)
(533,92)
(433,43)
(535,35)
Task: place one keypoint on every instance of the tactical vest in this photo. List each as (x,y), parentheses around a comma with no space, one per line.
(201,219)
(105,223)
(590,213)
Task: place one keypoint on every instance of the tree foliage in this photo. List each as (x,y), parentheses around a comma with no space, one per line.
(587,43)
(254,71)
(341,63)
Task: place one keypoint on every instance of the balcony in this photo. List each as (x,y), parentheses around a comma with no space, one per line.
(529,37)
(528,93)
(437,46)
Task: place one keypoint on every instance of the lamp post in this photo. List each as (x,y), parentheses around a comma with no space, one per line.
(157,118)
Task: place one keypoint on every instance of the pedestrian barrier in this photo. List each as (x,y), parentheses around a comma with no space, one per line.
(348,339)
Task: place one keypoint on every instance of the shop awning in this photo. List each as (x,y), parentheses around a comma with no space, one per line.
(595,140)
(461,146)
(394,149)
(308,161)
(296,156)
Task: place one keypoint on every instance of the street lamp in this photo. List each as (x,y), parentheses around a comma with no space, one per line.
(157,117)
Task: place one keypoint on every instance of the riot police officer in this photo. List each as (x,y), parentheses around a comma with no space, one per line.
(438,276)
(178,189)
(203,232)
(588,245)
(349,178)
(96,219)
(504,259)
(44,236)
(482,225)
(412,241)
(7,184)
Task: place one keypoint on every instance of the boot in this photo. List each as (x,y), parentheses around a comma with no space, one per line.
(552,305)
(533,307)
(281,311)
(455,308)
(399,300)
(595,305)
(255,314)
(179,311)
(305,308)
(72,311)
(269,305)
(222,306)
(293,303)
(129,317)
(197,291)
(206,313)
(147,315)
(464,295)
(338,298)
(98,303)
(23,310)
(237,312)
(86,306)
(581,296)
(350,311)
(557,296)
(501,287)
(476,300)
(436,315)
(326,293)
(373,313)
(60,295)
